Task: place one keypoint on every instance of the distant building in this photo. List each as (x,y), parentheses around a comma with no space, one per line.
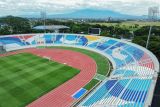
(109,19)
(2,25)
(153,13)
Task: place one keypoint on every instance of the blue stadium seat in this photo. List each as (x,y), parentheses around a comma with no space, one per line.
(59,39)
(100,93)
(137,53)
(82,41)
(125,92)
(106,44)
(49,39)
(11,40)
(70,39)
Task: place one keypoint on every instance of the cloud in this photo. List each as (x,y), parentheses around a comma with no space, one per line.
(26,7)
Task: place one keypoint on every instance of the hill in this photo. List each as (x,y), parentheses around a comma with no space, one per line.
(92,13)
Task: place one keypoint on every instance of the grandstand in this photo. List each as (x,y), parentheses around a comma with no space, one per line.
(135,69)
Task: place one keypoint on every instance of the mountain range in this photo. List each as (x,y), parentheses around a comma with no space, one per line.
(91,13)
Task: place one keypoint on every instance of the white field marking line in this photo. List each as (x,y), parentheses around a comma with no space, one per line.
(100,76)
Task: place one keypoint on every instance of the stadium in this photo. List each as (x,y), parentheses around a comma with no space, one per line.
(75,70)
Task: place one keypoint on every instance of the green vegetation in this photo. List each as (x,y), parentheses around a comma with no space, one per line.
(14,25)
(91,84)
(130,23)
(102,62)
(25,77)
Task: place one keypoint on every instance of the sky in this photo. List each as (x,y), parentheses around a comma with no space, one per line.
(30,7)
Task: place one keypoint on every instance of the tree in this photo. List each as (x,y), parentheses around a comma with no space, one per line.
(5,30)
(17,24)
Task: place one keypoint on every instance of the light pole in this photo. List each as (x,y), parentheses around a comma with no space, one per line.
(149,35)
(43,16)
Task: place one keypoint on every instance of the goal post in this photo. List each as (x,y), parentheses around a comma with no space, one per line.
(49,59)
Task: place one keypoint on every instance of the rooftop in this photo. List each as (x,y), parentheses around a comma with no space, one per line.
(50,27)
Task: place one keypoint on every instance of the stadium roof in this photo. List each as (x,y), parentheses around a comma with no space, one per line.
(50,27)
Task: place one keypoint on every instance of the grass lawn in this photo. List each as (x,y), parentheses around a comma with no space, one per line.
(91,84)
(130,23)
(25,77)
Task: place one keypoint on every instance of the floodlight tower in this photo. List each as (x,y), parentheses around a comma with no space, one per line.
(43,18)
(153,13)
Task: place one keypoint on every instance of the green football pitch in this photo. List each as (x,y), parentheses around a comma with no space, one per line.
(25,77)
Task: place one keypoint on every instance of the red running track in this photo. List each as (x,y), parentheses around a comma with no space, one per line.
(62,95)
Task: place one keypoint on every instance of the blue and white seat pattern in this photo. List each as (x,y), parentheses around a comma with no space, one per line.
(120,93)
